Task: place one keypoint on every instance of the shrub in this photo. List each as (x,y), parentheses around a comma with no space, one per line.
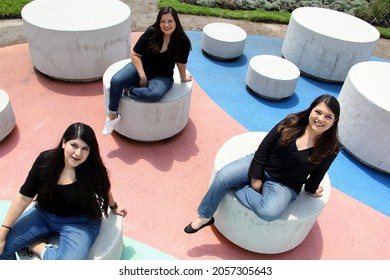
(376,12)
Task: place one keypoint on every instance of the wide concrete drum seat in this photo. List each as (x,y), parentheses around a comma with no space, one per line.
(107,246)
(272,77)
(7,116)
(241,226)
(364,124)
(325,43)
(76,40)
(223,41)
(151,121)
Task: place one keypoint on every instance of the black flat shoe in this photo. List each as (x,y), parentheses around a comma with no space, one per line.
(190,229)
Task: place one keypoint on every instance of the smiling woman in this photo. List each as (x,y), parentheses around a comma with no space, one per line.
(296,152)
(149,75)
(72,193)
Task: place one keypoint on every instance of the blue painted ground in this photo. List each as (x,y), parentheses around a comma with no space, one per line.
(224,82)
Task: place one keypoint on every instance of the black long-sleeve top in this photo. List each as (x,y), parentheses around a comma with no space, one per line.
(288,165)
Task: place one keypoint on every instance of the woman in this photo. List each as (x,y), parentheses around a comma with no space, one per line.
(72,193)
(149,75)
(297,151)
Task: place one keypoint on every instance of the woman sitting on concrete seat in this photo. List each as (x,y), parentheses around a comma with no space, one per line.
(298,150)
(72,191)
(149,75)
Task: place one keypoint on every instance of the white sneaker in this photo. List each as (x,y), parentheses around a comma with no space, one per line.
(110,125)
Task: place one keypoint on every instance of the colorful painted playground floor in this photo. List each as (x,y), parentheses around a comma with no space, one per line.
(161,183)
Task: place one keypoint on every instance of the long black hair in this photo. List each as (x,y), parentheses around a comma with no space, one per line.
(92,183)
(293,126)
(179,39)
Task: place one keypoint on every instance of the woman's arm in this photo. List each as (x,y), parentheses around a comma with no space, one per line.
(261,155)
(312,184)
(18,205)
(118,210)
(137,62)
(184,76)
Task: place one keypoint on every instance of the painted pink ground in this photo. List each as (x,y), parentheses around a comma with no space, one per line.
(162,183)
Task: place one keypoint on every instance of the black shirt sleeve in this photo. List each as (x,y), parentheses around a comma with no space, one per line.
(30,186)
(261,156)
(316,176)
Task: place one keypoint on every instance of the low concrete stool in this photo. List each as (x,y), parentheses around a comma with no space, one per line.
(365,114)
(241,226)
(7,117)
(325,43)
(151,121)
(107,246)
(223,41)
(272,77)
(76,40)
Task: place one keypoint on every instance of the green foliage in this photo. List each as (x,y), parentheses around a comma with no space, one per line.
(262,15)
(376,12)
(11,8)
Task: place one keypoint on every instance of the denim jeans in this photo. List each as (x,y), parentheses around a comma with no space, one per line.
(76,235)
(268,204)
(128,77)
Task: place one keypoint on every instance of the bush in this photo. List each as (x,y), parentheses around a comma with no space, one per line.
(376,12)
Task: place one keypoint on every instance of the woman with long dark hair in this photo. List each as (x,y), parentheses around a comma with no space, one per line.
(71,189)
(297,151)
(149,75)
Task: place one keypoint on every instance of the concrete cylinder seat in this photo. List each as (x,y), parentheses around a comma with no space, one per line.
(325,43)
(272,77)
(107,246)
(151,121)
(76,40)
(223,41)
(7,116)
(241,226)
(365,114)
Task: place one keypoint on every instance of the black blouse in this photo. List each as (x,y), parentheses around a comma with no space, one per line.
(65,202)
(161,64)
(288,165)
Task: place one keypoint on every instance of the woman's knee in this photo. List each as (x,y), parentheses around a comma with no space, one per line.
(267,213)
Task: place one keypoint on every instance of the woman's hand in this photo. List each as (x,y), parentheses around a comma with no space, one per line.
(143,81)
(318,192)
(256,184)
(120,211)
(3,235)
(2,245)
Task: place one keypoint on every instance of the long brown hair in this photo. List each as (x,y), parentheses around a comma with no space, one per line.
(294,125)
(91,175)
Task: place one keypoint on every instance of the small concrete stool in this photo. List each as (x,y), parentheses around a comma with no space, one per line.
(76,40)
(325,43)
(7,117)
(241,226)
(151,121)
(223,41)
(272,77)
(365,114)
(107,246)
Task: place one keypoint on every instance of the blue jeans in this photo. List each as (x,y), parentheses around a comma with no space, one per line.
(268,204)
(128,77)
(76,235)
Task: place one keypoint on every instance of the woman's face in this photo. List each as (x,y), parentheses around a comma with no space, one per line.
(76,151)
(167,24)
(321,118)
